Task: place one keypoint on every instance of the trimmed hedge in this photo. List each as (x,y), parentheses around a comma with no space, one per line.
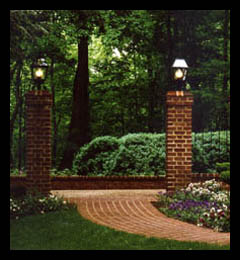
(209,149)
(133,154)
(139,154)
(144,154)
(92,157)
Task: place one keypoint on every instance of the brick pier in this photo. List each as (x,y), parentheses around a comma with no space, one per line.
(178,139)
(38,150)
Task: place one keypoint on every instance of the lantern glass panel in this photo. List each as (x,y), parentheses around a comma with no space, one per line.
(39,73)
(39,70)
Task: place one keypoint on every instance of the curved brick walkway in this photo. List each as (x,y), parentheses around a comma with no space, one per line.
(132,211)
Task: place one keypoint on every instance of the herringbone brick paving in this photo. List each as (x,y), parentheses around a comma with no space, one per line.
(132,211)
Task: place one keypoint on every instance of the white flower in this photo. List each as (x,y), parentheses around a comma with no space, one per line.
(42,212)
(205,214)
(225,207)
(212,210)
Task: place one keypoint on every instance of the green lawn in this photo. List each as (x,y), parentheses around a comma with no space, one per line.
(67,230)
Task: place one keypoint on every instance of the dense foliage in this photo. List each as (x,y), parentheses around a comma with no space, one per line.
(109,71)
(208,149)
(144,154)
(133,154)
(204,204)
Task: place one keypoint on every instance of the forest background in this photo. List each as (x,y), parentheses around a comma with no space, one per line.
(109,71)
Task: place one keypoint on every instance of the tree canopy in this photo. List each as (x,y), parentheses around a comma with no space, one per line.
(109,71)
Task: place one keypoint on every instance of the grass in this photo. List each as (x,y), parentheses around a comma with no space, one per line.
(67,230)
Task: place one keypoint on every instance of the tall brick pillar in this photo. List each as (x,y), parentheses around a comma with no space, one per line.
(38,140)
(178,139)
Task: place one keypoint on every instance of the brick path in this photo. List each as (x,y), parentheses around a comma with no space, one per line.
(132,211)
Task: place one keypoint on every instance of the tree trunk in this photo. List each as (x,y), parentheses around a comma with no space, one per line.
(79,126)
(16,109)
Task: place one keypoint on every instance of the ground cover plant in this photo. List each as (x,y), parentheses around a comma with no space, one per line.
(67,230)
(204,204)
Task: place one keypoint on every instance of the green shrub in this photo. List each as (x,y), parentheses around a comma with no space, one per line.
(223,167)
(92,156)
(65,172)
(141,154)
(199,158)
(133,154)
(225,176)
(144,154)
(224,170)
(17,172)
(208,150)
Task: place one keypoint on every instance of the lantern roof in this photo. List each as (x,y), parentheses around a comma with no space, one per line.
(180,63)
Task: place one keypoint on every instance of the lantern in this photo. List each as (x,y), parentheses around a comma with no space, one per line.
(180,72)
(39,72)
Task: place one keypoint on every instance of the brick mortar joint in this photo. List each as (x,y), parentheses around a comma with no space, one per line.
(38,102)
(179,103)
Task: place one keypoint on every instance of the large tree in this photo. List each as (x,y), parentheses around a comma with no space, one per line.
(83,22)
(79,131)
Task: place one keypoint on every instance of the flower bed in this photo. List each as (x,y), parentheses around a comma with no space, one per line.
(38,204)
(204,204)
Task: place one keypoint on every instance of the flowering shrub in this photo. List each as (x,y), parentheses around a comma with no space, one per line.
(39,204)
(204,204)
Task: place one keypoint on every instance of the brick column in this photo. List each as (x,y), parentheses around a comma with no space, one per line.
(178,139)
(38,140)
